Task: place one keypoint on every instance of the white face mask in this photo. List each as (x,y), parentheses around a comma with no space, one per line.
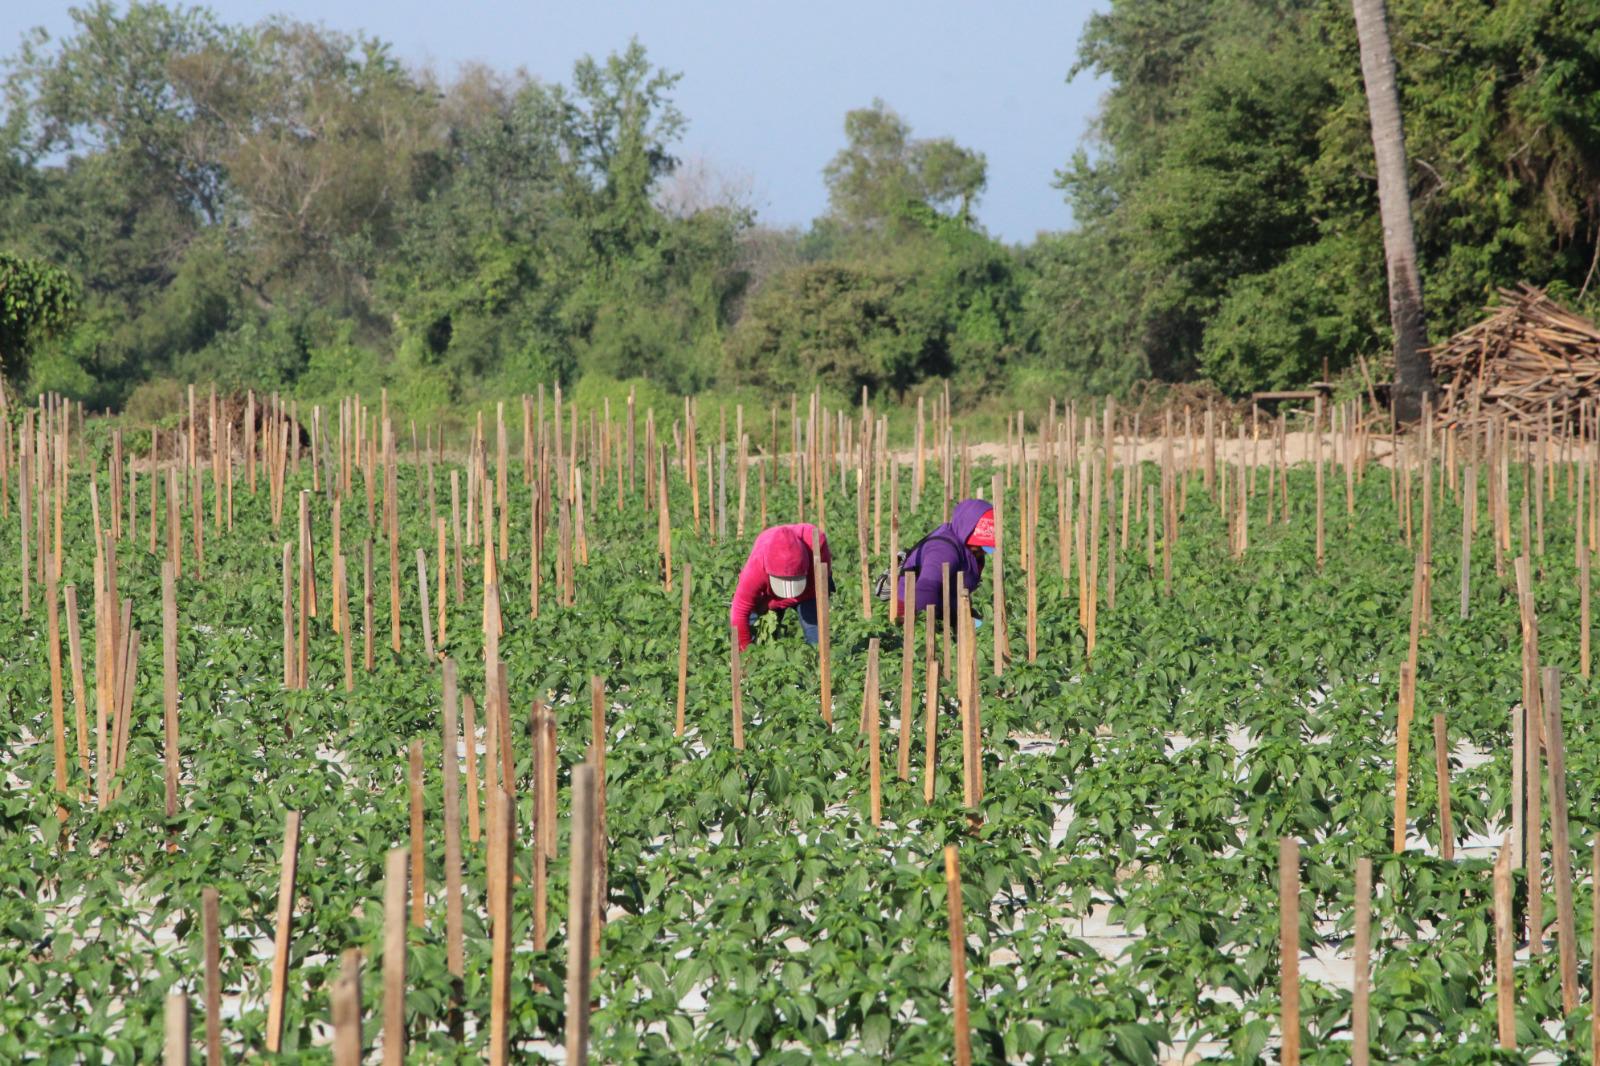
(787,588)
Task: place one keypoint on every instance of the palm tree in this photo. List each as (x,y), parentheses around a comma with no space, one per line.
(1412,371)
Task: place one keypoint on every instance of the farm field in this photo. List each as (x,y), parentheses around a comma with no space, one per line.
(324,742)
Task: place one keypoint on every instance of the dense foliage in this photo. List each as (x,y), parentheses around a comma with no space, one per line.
(1228,213)
(756,911)
(289,206)
(36,300)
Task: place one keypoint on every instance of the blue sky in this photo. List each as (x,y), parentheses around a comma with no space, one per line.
(766,85)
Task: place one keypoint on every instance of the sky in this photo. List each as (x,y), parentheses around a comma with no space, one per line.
(765,84)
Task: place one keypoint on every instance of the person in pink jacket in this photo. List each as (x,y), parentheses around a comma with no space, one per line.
(779,575)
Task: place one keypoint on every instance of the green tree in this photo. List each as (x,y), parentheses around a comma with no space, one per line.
(1234,157)
(882,170)
(36,300)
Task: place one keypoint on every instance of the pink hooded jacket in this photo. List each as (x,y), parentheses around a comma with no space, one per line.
(786,552)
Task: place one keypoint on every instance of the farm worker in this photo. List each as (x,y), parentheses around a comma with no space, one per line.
(779,575)
(962,542)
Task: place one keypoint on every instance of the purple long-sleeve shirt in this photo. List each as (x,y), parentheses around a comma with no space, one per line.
(946,544)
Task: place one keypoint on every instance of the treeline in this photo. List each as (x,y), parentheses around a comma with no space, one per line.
(289,207)
(1227,207)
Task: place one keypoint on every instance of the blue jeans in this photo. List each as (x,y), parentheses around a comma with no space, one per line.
(806,610)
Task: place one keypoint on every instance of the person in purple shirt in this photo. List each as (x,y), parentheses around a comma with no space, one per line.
(962,542)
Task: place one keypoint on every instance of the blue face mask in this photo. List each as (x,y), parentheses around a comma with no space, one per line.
(988,549)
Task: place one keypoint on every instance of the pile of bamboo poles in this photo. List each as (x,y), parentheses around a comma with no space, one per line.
(1531,360)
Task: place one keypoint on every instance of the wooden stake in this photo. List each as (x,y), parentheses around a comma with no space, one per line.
(290,669)
(1469,507)
(169,669)
(280,943)
(1360,1011)
(213,968)
(1289,949)
(419,913)
(908,651)
(394,958)
(177,1030)
(1594,952)
(597,758)
(58,717)
(930,739)
(1584,615)
(580,902)
(958,956)
(422,599)
(1441,770)
(869,709)
(502,830)
(346,1003)
(469,731)
(1402,754)
(455,952)
(738,691)
(824,642)
(1560,845)
(1505,1006)
(341,582)
(80,691)
(683,654)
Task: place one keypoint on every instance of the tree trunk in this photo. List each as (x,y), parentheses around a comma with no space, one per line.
(1412,370)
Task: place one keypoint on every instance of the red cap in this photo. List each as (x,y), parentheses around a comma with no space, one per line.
(787,555)
(983,532)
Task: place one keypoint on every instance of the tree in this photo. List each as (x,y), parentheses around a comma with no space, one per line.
(1413,374)
(36,301)
(882,170)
